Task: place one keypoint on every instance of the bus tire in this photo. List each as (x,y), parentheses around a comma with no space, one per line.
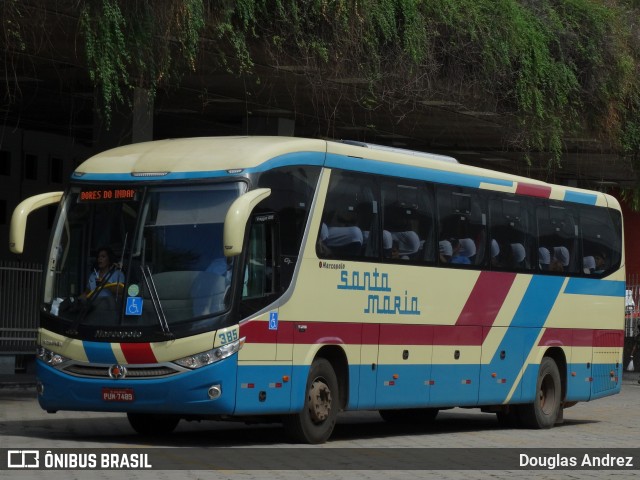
(152,423)
(315,423)
(410,415)
(545,409)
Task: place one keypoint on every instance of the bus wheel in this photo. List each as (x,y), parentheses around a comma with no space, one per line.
(545,409)
(153,423)
(315,423)
(410,415)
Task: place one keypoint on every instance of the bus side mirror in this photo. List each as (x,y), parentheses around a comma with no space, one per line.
(20,214)
(235,222)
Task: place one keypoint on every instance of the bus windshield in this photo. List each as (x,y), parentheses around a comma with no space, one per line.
(152,256)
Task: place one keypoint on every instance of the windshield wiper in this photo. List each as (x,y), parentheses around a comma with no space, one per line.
(155,299)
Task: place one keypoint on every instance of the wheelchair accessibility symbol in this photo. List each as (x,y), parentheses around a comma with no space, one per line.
(273,320)
(134,306)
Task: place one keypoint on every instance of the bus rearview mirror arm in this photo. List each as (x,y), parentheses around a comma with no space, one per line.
(19,218)
(236,220)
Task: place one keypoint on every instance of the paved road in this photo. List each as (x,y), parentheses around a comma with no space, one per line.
(613,422)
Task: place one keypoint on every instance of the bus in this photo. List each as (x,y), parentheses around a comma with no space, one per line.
(287,280)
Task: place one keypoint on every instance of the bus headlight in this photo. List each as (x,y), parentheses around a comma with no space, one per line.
(50,358)
(210,356)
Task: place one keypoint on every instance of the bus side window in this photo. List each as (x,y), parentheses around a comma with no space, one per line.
(463,224)
(408,221)
(349,227)
(601,245)
(513,246)
(558,234)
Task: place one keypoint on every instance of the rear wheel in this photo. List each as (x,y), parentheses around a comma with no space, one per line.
(316,421)
(545,409)
(410,415)
(153,423)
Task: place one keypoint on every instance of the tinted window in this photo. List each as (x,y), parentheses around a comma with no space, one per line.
(513,245)
(601,242)
(350,220)
(408,222)
(462,238)
(558,238)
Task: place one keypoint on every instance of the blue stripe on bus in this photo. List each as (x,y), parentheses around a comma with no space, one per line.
(99,352)
(522,333)
(580,197)
(297,158)
(186,393)
(127,177)
(410,171)
(288,159)
(589,286)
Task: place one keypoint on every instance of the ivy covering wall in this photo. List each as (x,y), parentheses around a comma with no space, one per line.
(556,66)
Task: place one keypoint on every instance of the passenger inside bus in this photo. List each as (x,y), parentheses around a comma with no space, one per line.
(589,264)
(495,253)
(601,262)
(544,258)
(468,249)
(459,256)
(347,240)
(404,244)
(387,243)
(518,256)
(446,251)
(560,260)
(511,256)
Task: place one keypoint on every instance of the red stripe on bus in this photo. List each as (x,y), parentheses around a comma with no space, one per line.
(608,338)
(582,338)
(308,333)
(533,190)
(470,335)
(486,300)
(138,353)
(564,337)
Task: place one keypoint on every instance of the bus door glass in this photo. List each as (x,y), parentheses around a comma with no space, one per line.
(260,282)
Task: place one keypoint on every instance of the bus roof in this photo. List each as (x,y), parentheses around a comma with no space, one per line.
(201,156)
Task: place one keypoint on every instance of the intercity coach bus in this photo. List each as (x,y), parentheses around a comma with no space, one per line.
(288,279)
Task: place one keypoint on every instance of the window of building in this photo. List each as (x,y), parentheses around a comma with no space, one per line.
(30,167)
(3,212)
(56,172)
(5,162)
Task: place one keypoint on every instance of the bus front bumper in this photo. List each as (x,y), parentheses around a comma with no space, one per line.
(209,390)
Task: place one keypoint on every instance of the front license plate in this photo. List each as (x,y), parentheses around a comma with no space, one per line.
(118,395)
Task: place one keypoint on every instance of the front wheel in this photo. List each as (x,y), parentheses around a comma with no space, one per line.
(545,409)
(316,421)
(153,423)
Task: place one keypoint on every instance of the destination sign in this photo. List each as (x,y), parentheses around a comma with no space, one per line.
(107,194)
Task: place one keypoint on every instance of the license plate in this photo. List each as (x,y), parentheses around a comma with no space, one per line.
(118,395)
